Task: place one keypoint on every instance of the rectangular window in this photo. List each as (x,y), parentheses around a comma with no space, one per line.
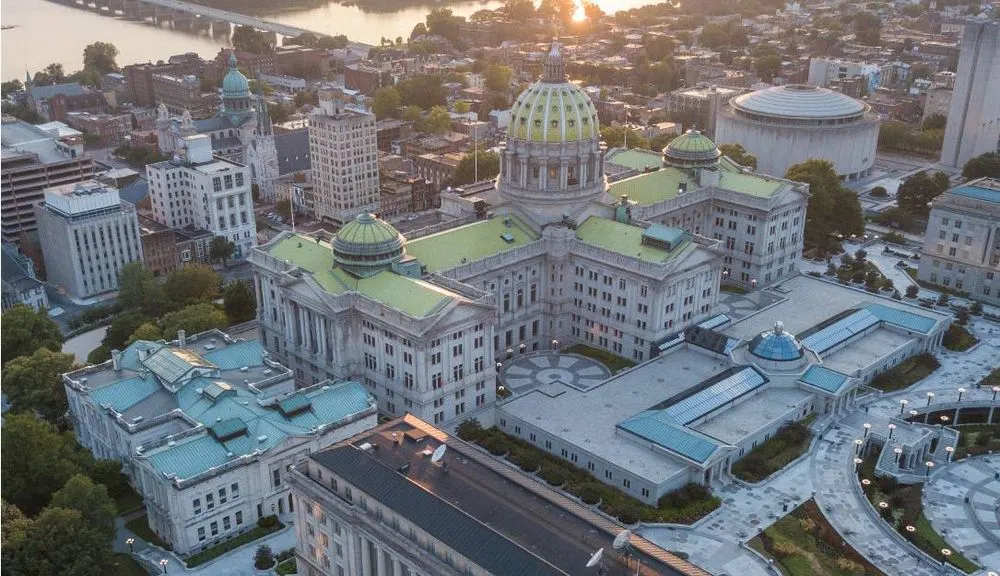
(239,518)
(276,474)
(201,534)
(234,490)
(196,504)
(226,524)
(215,528)
(222,495)
(209,501)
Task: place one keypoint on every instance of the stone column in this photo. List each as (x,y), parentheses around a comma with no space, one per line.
(366,567)
(380,561)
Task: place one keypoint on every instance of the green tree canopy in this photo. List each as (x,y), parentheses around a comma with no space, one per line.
(122,327)
(424,91)
(441,22)
(868,28)
(420,29)
(100,56)
(45,460)
(192,284)
(9,87)
(832,208)
(413,114)
(51,74)
(987,164)
(34,383)
(248,39)
(80,493)
(935,122)
(146,331)
(332,42)
(462,107)
(23,330)
(61,541)
(387,102)
(438,120)
(138,289)
(916,191)
(489,167)
(498,78)
(519,10)
(193,319)
(767,66)
(14,526)
(239,301)
(738,154)
(221,249)
(728,34)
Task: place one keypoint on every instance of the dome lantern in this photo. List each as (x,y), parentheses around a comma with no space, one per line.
(367,245)
(776,345)
(691,150)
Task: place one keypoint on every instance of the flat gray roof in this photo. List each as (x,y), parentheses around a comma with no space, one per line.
(559,410)
(865,350)
(754,413)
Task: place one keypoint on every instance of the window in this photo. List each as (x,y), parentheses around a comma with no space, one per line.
(222,495)
(196,504)
(276,475)
(201,534)
(239,518)
(215,528)
(226,525)
(209,501)
(234,490)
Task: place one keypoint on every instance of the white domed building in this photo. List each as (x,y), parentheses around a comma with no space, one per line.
(785,125)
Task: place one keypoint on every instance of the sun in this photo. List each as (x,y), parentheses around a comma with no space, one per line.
(579,15)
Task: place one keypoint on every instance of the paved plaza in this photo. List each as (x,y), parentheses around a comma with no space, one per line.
(962,502)
(525,373)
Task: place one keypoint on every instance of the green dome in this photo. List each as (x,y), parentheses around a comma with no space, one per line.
(235,84)
(691,149)
(553,113)
(366,244)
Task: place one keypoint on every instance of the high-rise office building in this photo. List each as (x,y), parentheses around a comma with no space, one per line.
(974,116)
(344,152)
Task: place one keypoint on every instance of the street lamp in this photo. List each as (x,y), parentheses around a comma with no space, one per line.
(866,482)
(946,553)
(163,565)
(753,283)
(859,442)
(913,413)
(891,428)
(499,366)
(555,344)
(944,419)
(960,392)
(929,465)
(898,452)
(911,529)
(867,426)
(510,352)
(130,542)
(950,450)
(902,405)
(522,347)
(995,390)
(930,396)
(857,462)
(883,505)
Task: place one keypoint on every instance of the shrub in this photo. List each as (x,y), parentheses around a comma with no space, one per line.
(590,493)
(628,515)
(528,462)
(796,433)
(470,430)
(984,437)
(858,277)
(264,558)
(879,192)
(553,475)
(496,445)
(912,290)
(284,554)
(683,496)
(807,524)
(942,299)
(784,548)
(850,566)
(268,521)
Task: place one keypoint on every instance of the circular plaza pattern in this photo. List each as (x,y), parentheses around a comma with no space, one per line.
(962,503)
(525,373)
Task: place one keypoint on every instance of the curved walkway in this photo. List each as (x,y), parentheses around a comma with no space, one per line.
(961,503)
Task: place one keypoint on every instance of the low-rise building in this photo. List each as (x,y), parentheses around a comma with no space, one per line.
(703,103)
(110,129)
(88,233)
(402,194)
(19,284)
(366,79)
(184,93)
(439,169)
(54,101)
(962,246)
(206,427)
(159,247)
(194,245)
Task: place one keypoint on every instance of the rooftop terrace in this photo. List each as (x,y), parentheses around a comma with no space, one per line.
(663,184)
(471,242)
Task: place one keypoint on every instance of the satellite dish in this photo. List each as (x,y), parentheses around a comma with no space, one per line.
(595,558)
(439,453)
(621,540)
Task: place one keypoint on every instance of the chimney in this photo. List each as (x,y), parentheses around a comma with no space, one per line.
(181,338)
(116,359)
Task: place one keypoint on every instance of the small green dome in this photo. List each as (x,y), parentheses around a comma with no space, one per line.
(366,244)
(553,113)
(691,149)
(235,84)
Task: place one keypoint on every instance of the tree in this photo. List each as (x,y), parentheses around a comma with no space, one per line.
(122,327)
(221,249)
(147,331)
(868,28)
(138,289)
(248,39)
(912,290)
(305,39)
(239,301)
(45,461)
(279,115)
(438,120)
(61,541)
(489,167)
(498,78)
(738,154)
(332,42)
(100,56)
(441,22)
(767,67)
(387,102)
(519,10)
(879,192)
(193,284)
(51,74)
(194,319)
(15,527)
(34,383)
(462,107)
(413,114)
(109,474)
(918,190)
(304,97)
(419,30)
(23,330)
(987,164)
(424,91)
(263,558)
(10,87)
(832,208)
(80,493)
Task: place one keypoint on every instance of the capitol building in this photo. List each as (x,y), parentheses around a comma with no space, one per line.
(560,256)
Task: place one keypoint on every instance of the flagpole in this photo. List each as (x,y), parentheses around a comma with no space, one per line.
(625,144)
(291,204)
(475,154)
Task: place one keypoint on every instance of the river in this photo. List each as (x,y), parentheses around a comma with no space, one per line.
(47,32)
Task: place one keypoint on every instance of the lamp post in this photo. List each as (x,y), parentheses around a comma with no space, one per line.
(510,353)
(930,396)
(891,428)
(857,462)
(902,405)
(866,482)
(898,452)
(913,413)
(950,450)
(522,347)
(995,390)
(130,542)
(867,426)
(944,419)
(555,344)
(960,392)
(753,283)
(499,366)
(859,443)
(929,465)
(163,565)
(946,553)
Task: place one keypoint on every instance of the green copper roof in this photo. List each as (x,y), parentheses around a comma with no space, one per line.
(553,112)
(411,296)
(647,189)
(636,159)
(367,229)
(620,238)
(691,149)
(366,245)
(235,84)
(469,243)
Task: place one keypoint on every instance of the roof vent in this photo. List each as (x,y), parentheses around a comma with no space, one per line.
(267,371)
(199,390)
(244,368)
(137,419)
(83,380)
(326,387)
(262,438)
(209,346)
(219,419)
(171,443)
(366,447)
(246,402)
(229,454)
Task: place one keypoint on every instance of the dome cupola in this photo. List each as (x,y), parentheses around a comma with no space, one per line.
(367,245)
(691,150)
(236,99)
(776,345)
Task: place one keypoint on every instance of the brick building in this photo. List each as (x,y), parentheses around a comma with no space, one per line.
(439,169)
(139,77)
(365,79)
(181,93)
(159,247)
(111,129)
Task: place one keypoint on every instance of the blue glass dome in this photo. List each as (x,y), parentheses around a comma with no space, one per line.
(776,345)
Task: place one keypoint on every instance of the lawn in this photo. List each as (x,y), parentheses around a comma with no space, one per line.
(614,362)
(231,544)
(125,565)
(906,373)
(958,338)
(992,379)
(683,506)
(140,527)
(976,439)
(128,501)
(906,509)
(804,544)
(286,567)
(788,444)
(729,288)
